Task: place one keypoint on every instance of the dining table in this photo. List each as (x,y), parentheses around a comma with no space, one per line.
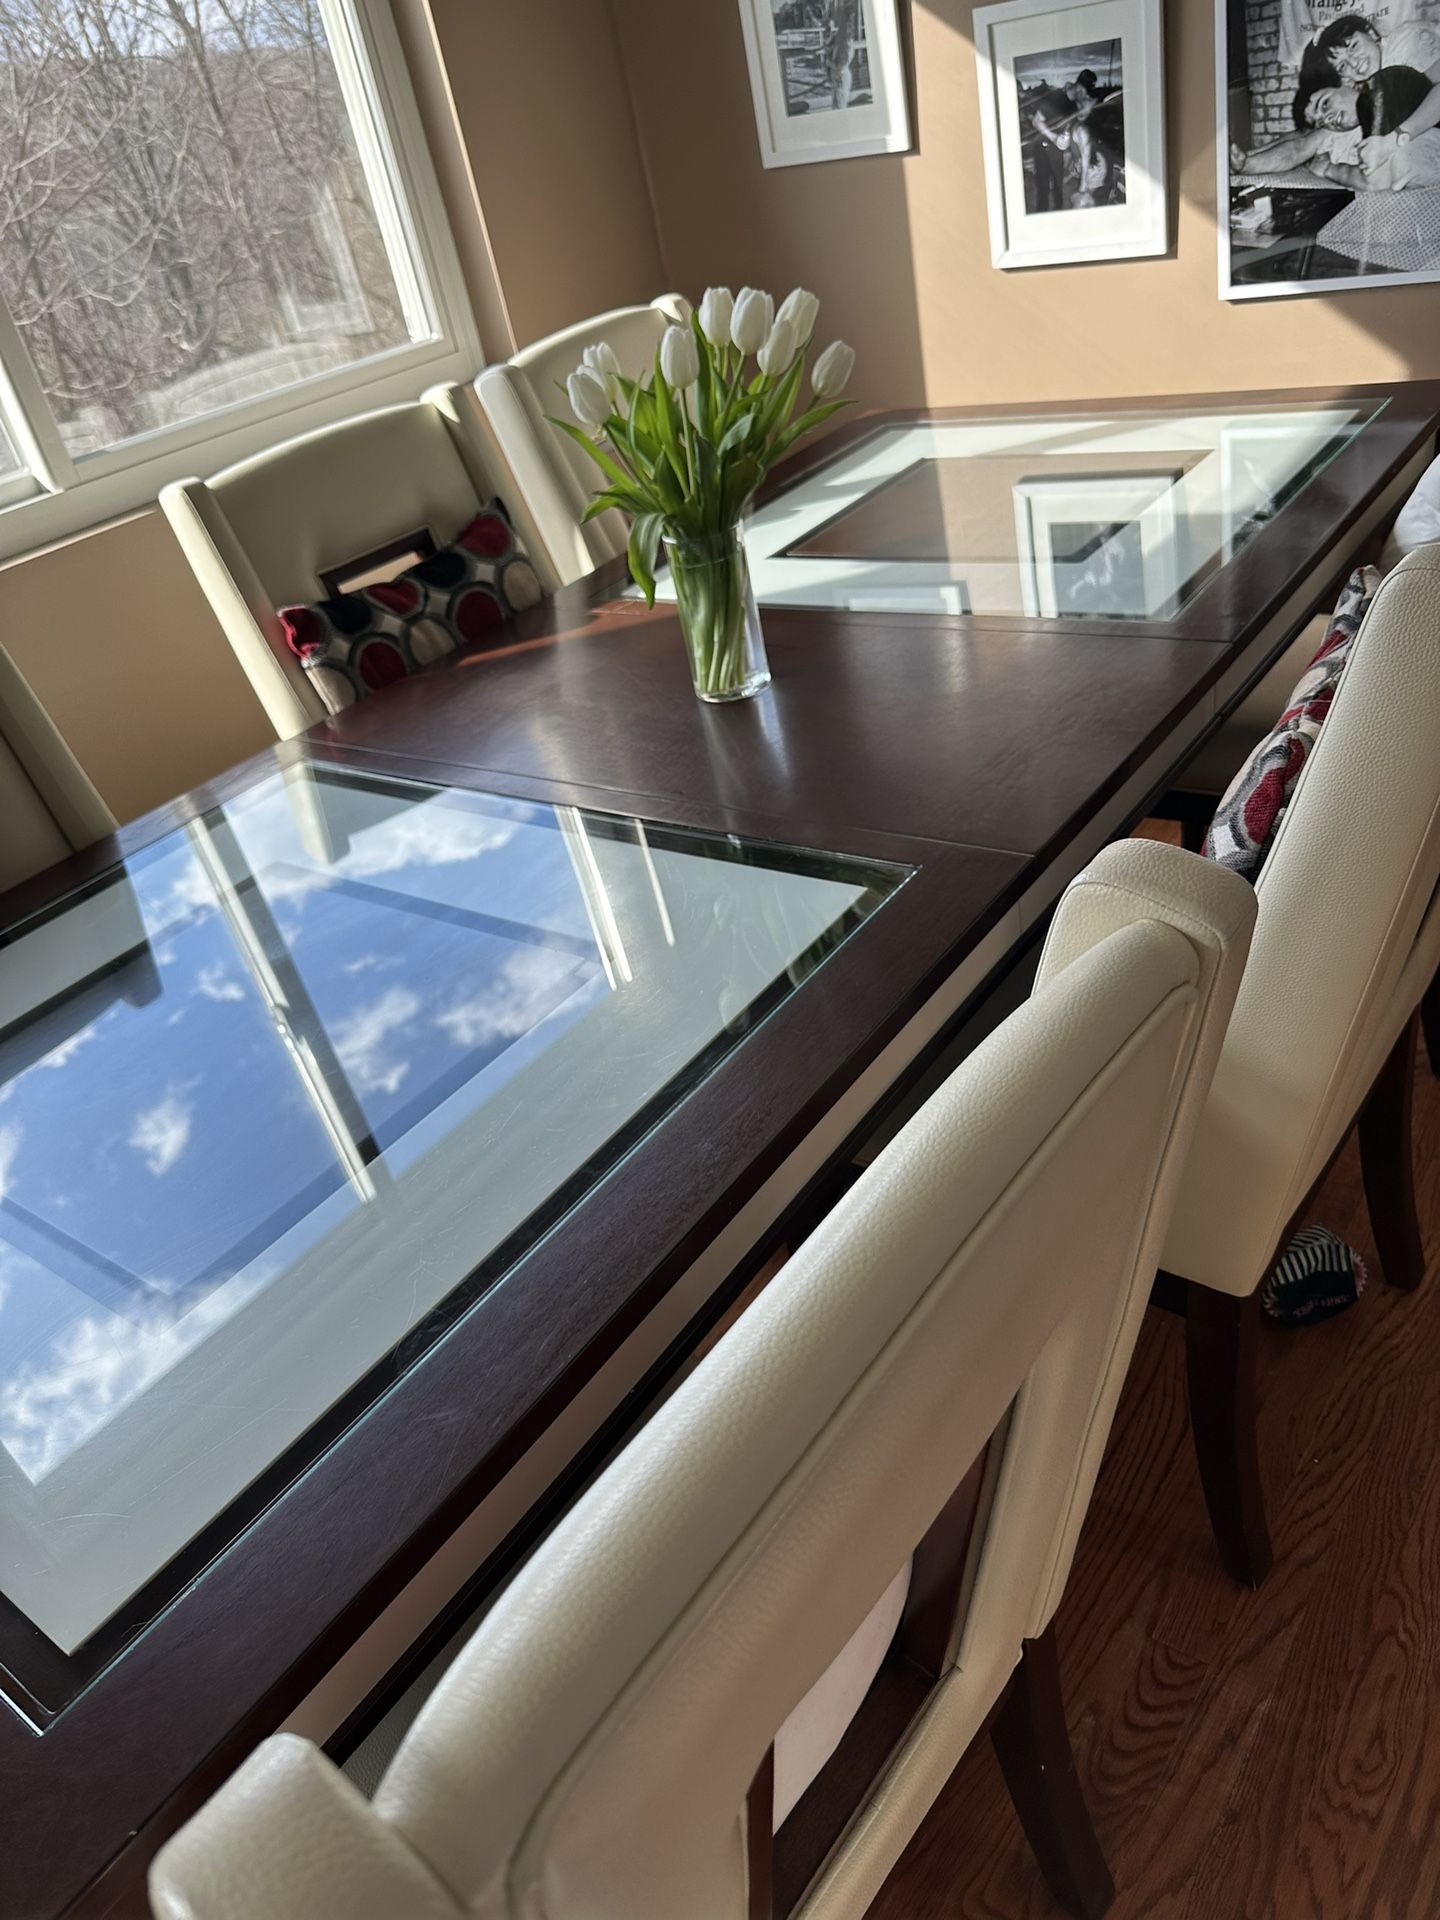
(385,1125)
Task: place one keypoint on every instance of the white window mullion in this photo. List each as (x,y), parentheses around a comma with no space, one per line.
(31,425)
(355,72)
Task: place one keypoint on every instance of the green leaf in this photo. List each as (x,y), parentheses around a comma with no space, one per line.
(736,432)
(641,551)
(779,406)
(741,479)
(669,486)
(623,434)
(667,422)
(642,423)
(806,423)
(705,386)
(610,467)
(707,470)
(602,503)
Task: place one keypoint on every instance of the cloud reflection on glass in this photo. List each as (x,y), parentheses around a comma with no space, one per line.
(344,1048)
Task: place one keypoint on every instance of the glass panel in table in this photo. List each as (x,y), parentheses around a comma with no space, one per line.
(297,1085)
(1117,516)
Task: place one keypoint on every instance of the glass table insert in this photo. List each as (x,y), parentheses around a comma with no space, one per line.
(1118,516)
(294,1087)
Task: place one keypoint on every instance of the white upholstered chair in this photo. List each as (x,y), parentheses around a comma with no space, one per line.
(1347,941)
(1210,771)
(48,808)
(551,472)
(878,1473)
(261,535)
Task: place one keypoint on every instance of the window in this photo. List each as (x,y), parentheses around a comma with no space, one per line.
(212,213)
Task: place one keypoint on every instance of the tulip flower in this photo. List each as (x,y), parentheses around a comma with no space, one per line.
(715,314)
(681,448)
(779,350)
(752,320)
(679,357)
(684,312)
(602,357)
(589,400)
(800,309)
(831,372)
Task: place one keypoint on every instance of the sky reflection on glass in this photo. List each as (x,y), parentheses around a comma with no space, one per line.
(200,1145)
(269,1096)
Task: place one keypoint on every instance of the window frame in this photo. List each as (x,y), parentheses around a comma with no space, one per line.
(57,495)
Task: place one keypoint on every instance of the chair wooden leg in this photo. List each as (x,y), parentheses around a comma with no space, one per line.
(1387,1164)
(1032,1743)
(1430,1022)
(1221,1333)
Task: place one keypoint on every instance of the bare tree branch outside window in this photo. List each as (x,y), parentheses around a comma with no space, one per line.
(184,220)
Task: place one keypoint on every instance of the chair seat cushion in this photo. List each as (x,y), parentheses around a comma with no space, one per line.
(355,643)
(1249,815)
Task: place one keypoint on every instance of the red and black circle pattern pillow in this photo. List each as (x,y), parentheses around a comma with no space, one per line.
(354,643)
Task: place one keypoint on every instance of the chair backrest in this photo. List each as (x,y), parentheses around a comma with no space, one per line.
(553,474)
(260,535)
(1418,521)
(1347,940)
(48,808)
(592,1749)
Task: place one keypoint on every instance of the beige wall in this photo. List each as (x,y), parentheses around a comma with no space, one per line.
(898,247)
(120,646)
(542,104)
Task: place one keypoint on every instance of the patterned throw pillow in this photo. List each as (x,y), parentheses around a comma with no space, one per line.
(354,643)
(1248,817)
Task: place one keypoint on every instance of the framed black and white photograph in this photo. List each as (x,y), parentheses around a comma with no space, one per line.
(1098,546)
(828,78)
(1329,144)
(1072,119)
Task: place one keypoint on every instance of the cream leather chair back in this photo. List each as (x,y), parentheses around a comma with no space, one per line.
(592,1749)
(259,535)
(1348,939)
(1324,1035)
(552,473)
(48,808)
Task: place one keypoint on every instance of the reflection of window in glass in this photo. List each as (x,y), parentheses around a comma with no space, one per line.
(201,208)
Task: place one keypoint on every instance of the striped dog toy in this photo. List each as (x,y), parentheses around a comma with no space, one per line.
(1315,1278)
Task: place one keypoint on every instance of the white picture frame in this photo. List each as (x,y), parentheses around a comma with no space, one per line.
(1090,185)
(1323,225)
(828,79)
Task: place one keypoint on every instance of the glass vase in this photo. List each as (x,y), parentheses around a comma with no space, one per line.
(717,615)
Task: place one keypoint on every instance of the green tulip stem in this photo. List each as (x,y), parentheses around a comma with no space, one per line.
(712,599)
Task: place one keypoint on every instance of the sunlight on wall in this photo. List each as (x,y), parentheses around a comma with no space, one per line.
(1151,326)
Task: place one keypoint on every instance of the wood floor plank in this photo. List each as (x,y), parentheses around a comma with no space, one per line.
(1265,1756)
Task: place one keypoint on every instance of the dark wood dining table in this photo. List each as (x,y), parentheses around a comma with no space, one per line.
(980,757)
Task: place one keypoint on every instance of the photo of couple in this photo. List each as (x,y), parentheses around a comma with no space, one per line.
(1072,120)
(1333,143)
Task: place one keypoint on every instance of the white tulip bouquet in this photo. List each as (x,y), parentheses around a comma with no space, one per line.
(683,450)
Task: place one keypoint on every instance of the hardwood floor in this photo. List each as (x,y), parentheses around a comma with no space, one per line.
(1250,1756)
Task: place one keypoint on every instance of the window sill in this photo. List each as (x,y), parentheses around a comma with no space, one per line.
(126,479)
